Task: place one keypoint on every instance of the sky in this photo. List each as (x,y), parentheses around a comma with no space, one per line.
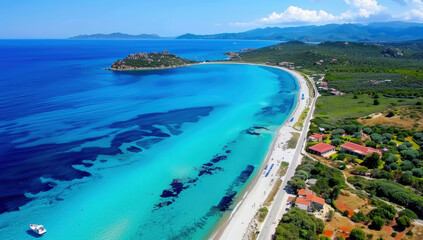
(66,18)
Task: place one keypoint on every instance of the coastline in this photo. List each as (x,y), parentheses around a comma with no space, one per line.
(238,218)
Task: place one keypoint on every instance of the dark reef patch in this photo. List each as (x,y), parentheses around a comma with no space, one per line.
(134,149)
(178,185)
(255,131)
(22,167)
(227,200)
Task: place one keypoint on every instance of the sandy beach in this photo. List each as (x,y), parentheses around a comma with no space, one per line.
(238,224)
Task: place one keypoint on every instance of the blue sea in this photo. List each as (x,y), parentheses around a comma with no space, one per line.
(163,154)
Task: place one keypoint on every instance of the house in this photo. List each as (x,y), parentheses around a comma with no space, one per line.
(307,200)
(312,181)
(315,201)
(358,150)
(315,137)
(285,64)
(337,93)
(302,203)
(322,149)
(304,192)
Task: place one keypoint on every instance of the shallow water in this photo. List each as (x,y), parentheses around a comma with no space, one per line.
(95,154)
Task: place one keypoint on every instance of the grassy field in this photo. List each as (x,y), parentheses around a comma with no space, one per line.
(407,117)
(292,143)
(337,108)
(300,123)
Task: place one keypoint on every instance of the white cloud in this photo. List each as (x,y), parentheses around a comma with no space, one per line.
(416,12)
(363,8)
(293,15)
(358,11)
(296,14)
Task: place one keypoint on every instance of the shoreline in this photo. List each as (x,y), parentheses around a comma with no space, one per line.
(222,230)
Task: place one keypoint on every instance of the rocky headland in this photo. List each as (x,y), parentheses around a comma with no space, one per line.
(153,60)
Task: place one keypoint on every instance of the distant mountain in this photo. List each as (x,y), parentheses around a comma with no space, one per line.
(374,32)
(117,36)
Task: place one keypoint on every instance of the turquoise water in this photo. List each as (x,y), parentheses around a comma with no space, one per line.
(142,155)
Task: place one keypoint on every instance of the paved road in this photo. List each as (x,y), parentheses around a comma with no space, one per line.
(272,218)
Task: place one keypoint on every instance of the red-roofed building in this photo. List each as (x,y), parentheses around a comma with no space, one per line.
(307,200)
(316,201)
(358,150)
(316,137)
(322,149)
(302,203)
(290,199)
(304,192)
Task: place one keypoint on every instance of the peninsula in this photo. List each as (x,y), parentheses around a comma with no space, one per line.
(148,61)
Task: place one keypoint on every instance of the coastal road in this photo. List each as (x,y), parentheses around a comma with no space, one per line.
(272,218)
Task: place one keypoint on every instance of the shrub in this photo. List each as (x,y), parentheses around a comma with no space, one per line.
(378,223)
(403,222)
(358,217)
(357,234)
(410,233)
(394,234)
(346,213)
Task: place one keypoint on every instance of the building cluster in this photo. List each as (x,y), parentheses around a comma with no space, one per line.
(325,150)
(380,81)
(289,65)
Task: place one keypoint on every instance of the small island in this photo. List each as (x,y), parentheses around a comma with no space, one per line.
(148,61)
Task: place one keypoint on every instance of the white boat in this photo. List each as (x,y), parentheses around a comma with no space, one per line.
(38,228)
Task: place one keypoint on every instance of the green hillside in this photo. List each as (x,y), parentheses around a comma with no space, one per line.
(349,66)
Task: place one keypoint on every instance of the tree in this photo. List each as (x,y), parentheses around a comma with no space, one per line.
(418,172)
(338,131)
(358,217)
(367,130)
(376,102)
(357,234)
(378,223)
(372,161)
(403,222)
(408,213)
(297,223)
(407,166)
(336,142)
(297,184)
(410,154)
